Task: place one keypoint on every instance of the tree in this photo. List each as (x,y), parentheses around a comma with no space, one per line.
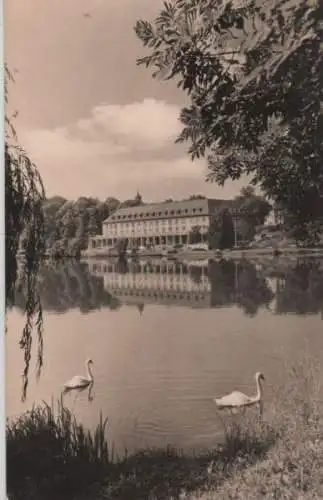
(197,197)
(213,234)
(253,74)
(194,235)
(251,209)
(24,195)
(227,238)
(121,247)
(221,230)
(112,204)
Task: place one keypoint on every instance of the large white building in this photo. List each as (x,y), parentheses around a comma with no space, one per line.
(157,224)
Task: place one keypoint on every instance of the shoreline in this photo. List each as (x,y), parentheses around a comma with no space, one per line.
(215,254)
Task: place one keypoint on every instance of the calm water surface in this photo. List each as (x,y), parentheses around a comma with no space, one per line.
(165,339)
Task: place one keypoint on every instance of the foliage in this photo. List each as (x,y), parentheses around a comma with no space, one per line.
(196,197)
(24,193)
(226,229)
(195,235)
(253,72)
(69,224)
(121,246)
(50,455)
(221,230)
(251,209)
(213,234)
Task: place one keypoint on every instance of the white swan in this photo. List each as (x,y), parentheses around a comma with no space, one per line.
(237,399)
(79,381)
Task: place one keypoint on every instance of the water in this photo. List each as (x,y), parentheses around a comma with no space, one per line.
(165,339)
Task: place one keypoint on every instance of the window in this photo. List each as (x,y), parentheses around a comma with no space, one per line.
(166,213)
(172,212)
(186,210)
(179,212)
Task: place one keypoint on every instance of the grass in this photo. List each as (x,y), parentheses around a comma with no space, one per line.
(51,456)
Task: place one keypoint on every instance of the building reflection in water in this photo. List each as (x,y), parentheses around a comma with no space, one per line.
(201,284)
(155,282)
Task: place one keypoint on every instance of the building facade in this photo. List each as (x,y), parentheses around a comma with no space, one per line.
(157,224)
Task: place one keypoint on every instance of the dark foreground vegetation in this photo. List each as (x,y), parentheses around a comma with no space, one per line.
(50,455)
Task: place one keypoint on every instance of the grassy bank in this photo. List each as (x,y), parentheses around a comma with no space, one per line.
(282,457)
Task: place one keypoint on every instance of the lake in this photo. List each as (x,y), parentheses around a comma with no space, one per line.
(165,339)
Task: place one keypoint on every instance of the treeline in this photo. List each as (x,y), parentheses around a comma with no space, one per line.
(69,224)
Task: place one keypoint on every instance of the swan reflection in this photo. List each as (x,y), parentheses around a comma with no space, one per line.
(78,390)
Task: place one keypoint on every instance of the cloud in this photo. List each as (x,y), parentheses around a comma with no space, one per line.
(149,124)
(116,150)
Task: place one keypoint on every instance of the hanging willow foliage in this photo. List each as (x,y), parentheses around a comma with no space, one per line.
(24,225)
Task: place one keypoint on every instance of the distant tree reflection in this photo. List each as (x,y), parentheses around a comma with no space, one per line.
(196,274)
(69,285)
(122,266)
(222,278)
(238,283)
(252,290)
(300,289)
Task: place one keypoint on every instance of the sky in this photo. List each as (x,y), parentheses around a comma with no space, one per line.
(94,122)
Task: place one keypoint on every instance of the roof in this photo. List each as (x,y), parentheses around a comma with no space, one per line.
(185,208)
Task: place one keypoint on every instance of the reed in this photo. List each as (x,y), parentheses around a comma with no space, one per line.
(49,453)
